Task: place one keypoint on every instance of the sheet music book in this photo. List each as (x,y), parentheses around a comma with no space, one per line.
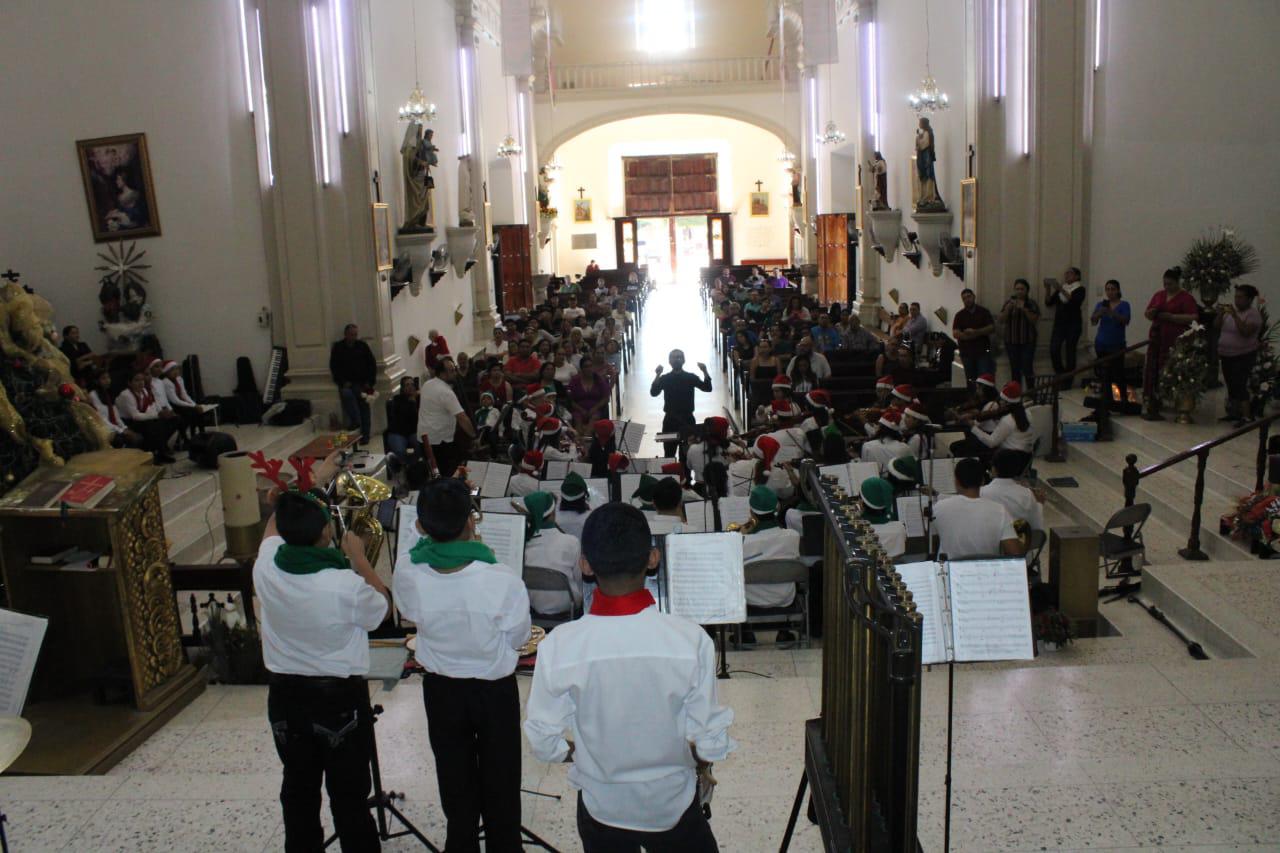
(20,639)
(704,578)
(495,481)
(597,492)
(734,509)
(503,532)
(556,469)
(552,486)
(695,513)
(661,525)
(651,466)
(842,474)
(628,434)
(628,483)
(582,469)
(940,474)
(498,505)
(911,514)
(973,610)
(477,469)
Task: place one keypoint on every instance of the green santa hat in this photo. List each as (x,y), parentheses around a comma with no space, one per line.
(645,490)
(877,500)
(763,501)
(539,507)
(905,470)
(574,487)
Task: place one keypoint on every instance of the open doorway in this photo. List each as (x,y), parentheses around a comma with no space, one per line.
(653,242)
(689,239)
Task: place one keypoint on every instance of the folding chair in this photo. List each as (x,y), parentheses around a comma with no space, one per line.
(1117,550)
(795,614)
(549,580)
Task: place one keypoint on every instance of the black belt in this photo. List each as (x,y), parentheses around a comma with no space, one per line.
(317,681)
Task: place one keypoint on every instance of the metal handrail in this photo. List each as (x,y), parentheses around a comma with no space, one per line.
(1102,414)
(1133,475)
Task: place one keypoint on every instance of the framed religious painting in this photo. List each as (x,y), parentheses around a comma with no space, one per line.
(582,210)
(760,204)
(118,188)
(382,236)
(969,212)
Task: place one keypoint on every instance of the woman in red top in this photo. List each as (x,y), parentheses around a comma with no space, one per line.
(496,384)
(1170,311)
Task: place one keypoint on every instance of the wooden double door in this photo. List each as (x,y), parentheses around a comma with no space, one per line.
(513,268)
(626,239)
(837,257)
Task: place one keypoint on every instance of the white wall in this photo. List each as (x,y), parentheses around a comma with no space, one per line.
(1187,127)
(392,40)
(173,71)
(744,154)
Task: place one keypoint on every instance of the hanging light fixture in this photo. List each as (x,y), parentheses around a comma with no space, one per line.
(417,110)
(509,147)
(928,98)
(831,135)
(786,158)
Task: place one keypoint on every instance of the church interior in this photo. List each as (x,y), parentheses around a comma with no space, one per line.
(929,338)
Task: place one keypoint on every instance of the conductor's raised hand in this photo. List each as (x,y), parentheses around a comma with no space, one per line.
(658,372)
(702,367)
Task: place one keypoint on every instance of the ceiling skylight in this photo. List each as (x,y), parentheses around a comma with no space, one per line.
(664,26)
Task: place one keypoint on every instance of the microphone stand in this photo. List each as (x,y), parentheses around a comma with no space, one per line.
(722,670)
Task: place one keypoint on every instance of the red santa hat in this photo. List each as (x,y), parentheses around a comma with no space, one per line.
(905,393)
(917,412)
(784,408)
(892,419)
(532,461)
(717,427)
(167,366)
(603,429)
(675,469)
(533,390)
(987,379)
(1011,392)
(543,410)
(782,381)
(884,383)
(819,398)
(548,426)
(618,462)
(152,363)
(767,447)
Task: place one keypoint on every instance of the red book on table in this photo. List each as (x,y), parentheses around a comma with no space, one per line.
(86,492)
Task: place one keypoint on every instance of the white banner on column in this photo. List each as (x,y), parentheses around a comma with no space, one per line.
(820,45)
(517,39)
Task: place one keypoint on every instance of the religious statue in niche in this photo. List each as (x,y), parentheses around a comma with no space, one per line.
(926,156)
(880,171)
(418,155)
(122,293)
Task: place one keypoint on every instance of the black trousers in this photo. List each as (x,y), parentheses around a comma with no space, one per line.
(1235,372)
(449,455)
(323,729)
(155,433)
(1062,347)
(474,729)
(691,834)
(673,422)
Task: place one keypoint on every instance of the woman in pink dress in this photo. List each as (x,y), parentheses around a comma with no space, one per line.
(1171,311)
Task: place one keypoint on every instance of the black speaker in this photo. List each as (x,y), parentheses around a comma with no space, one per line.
(206,447)
(293,413)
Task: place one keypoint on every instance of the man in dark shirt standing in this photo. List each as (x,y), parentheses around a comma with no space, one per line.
(972,327)
(677,388)
(1067,300)
(354,371)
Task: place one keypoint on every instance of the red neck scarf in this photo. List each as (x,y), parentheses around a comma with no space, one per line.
(145,399)
(181,390)
(621,605)
(110,407)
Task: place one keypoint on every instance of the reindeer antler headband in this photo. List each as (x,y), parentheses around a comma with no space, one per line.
(303,483)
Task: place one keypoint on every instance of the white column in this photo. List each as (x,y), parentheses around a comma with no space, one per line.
(484,314)
(868,303)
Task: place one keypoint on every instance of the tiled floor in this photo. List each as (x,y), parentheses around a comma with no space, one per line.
(1118,743)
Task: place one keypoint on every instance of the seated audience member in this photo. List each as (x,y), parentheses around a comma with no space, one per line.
(137,405)
(969,525)
(549,547)
(878,508)
(495,382)
(1013,431)
(524,367)
(190,417)
(803,379)
(897,360)
(887,444)
(525,480)
(589,680)
(826,337)
(497,345)
(768,540)
(574,505)
(1021,502)
(917,328)
(796,314)
(437,347)
(818,361)
(472,617)
(858,339)
(402,421)
(77,352)
(99,382)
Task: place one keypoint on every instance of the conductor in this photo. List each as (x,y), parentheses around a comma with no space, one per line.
(677,389)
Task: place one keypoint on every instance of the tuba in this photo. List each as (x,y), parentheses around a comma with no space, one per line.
(363,494)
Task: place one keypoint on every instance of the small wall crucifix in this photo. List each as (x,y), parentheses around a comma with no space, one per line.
(10,275)
(582,192)
(759,186)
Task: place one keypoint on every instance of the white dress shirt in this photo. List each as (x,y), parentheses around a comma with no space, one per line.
(128,408)
(892,536)
(157,391)
(741,477)
(971,527)
(315,624)
(522,484)
(559,551)
(471,621)
(792,444)
(1006,435)
(107,412)
(635,691)
(572,523)
(438,410)
(882,451)
(818,362)
(776,543)
(175,394)
(1017,499)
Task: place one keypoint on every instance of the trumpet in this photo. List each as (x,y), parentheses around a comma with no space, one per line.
(745,528)
(363,494)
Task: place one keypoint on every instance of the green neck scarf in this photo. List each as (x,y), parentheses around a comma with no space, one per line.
(309,559)
(877,516)
(482,415)
(766,522)
(447,556)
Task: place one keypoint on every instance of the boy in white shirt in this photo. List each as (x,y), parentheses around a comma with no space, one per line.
(549,547)
(525,481)
(878,509)
(472,615)
(1004,489)
(969,525)
(643,724)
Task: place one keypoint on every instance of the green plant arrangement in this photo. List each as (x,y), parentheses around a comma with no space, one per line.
(1053,627)
(1263,385)
(1214,260)
(1183,375)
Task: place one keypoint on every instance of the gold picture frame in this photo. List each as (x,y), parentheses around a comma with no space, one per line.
(969,213)
(381,217)
(759,204)
(582,210)
(118,187)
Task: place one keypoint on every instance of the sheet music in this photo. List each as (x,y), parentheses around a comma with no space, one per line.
(629,483)
(597,492)
(495,481)
(859,471)
(499,505)
(842,475)
(910,514)
(582,469)
(505,535)
(660,525)
(552,486)
(476,471)
(20,639)
(629,434)
(696,517)
(941,475)
(503,532)
(737,509)
(990,610)
(704,577)
(557,469)
(926,591)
